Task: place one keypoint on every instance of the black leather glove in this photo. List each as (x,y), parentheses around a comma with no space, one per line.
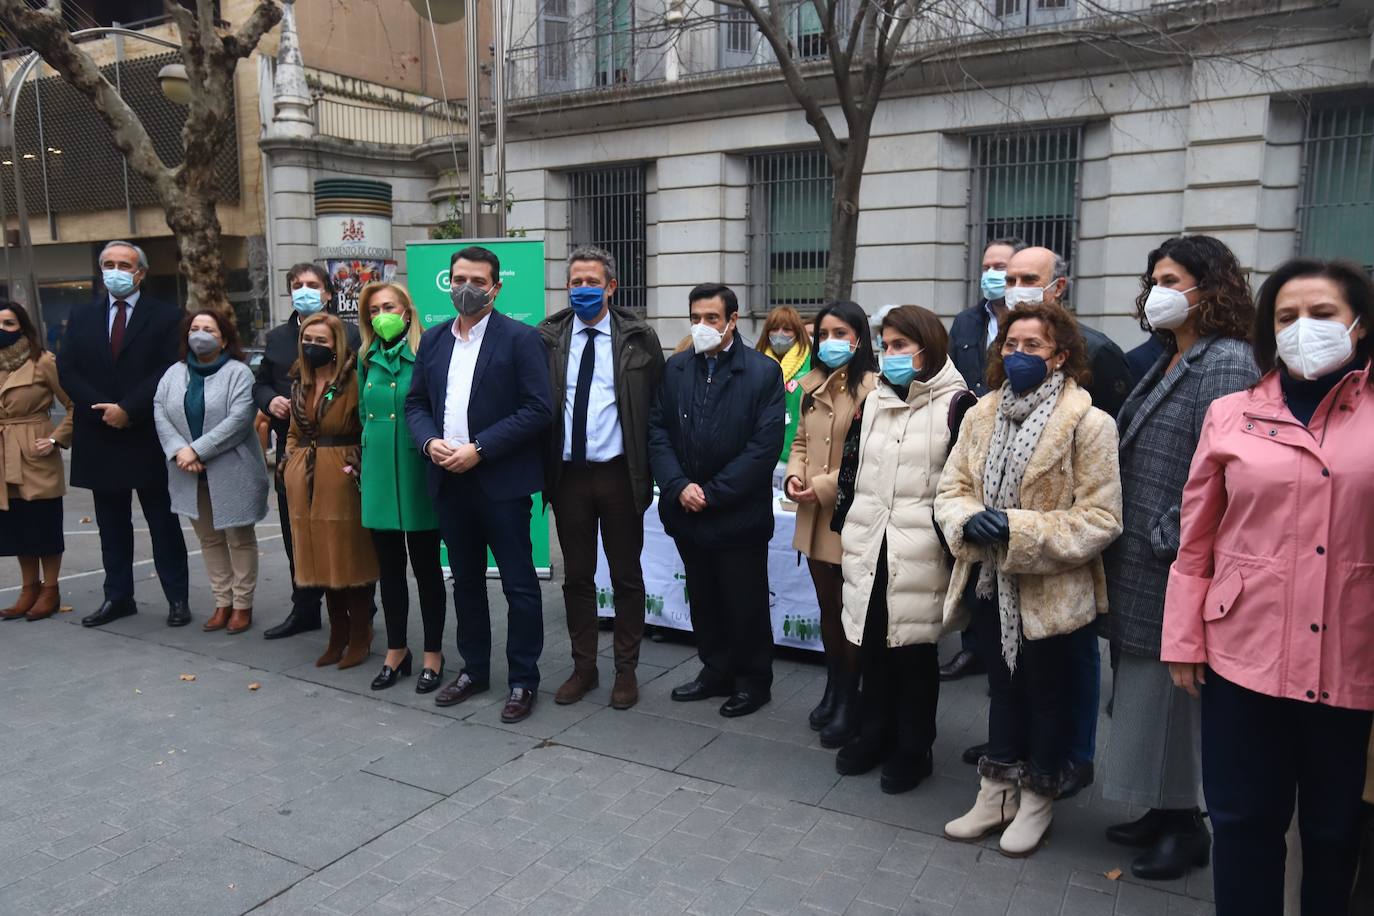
(988,527)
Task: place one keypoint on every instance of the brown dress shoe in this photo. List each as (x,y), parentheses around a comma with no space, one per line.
(240,620)
(28,596)
(519,705)
(577,686)
(48,603)
(625,693)
(218,620)
(461,689)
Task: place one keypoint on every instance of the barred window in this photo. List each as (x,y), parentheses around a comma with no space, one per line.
(606,209)
(1337,215)
(790,197)
(1026,184)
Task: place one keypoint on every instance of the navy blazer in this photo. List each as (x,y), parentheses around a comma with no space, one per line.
(509,410)
(104,457)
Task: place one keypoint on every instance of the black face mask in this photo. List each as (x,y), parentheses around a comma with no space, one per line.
(317,355)
(10,338)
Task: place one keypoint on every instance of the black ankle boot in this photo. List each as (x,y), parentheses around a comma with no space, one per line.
(1141,832)
(861,754)
(844,720)
(904,771)
(825,710)
(1184,843)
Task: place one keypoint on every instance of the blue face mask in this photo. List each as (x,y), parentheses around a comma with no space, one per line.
(307,301)
(899,368)
(586,301)
(993,284)
(835,353)
(120,283)
(1025,371)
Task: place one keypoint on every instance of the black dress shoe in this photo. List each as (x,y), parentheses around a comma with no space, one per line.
(300,620)
(743,702)
(178,614)
(1183,844)
(429,679)
(903,772)
(972,755)
(108,611)
(519,705)
(1142,832)
(700,690)
(1076,779)
(961,665)
(387,677)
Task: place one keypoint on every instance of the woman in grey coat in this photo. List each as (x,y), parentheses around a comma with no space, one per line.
(204,413)
(1194,298)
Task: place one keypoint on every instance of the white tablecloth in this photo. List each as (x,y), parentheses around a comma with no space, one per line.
(791,596)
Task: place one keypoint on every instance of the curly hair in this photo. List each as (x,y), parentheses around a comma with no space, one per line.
(1224,308)
(1067,338)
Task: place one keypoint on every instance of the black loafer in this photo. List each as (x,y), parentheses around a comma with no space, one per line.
(743,702)
(700,690)
(387,677)
(178,614)
(110,611)
(429,679)
(963,664)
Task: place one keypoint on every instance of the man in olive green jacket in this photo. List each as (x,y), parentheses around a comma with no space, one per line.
(605,364)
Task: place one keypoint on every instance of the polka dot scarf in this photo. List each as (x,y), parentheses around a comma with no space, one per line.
(1020,423)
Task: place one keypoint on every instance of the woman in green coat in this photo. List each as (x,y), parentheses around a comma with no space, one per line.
(785,340)
(396,508)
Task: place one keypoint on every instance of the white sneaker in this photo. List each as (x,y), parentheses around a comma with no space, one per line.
(995,808)
(1028,828)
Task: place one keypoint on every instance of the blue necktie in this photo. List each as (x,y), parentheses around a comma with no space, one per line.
(710,367)
(582,396)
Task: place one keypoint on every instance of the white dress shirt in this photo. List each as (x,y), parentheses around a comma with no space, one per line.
(130,301)
(604,438)
(992,322)
(461,366)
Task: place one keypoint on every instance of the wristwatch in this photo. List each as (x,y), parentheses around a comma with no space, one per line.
(478,446)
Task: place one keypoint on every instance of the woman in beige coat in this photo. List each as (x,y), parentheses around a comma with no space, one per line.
(31,492)
(1030,498)
(895,569)
(840,378)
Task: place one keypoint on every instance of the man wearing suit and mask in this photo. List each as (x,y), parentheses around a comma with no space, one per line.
(479,408)
(113,354)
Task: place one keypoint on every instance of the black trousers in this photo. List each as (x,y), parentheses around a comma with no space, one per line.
(901,684)
(1258,752)
(302,598)
(727,592)
(423,547)
(114,517)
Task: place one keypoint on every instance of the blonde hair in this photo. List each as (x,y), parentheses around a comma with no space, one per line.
(336,330)
(365,322)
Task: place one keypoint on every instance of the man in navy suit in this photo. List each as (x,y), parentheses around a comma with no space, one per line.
(113,354)
(479,408)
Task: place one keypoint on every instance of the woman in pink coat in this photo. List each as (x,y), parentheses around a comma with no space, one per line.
(1270,607)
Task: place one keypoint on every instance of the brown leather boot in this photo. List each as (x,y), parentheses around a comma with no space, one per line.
(27,596)
(240,620)
(48,603)
(338,634)
(625,693)
(218,620)
(359,634)
(577,686)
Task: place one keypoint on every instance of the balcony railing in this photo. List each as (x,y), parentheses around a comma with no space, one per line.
(389,124)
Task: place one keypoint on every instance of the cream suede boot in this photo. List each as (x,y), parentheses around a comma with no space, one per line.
(1029,826)
(995,807)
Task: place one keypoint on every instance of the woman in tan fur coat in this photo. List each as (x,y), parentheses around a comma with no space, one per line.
(1029,500)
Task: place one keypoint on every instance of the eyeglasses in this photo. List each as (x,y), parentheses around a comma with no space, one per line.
(1033,346)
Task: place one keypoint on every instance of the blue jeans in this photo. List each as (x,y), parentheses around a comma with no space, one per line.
(1085,696)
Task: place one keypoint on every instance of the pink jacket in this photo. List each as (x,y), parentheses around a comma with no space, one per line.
(1273,586)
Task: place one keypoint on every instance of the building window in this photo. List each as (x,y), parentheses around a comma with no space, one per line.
(1025,184)
(1337,216)
(790,197)
(1026,13)
(614,42)
(606,209)
(555,41)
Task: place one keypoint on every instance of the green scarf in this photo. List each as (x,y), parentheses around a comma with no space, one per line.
(195,390)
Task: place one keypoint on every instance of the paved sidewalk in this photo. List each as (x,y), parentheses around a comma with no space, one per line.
(126,789)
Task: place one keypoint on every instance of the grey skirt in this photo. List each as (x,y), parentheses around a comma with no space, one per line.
(1154,750)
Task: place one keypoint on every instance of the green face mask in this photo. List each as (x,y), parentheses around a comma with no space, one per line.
(389,326)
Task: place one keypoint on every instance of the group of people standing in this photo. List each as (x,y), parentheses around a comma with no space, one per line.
(1011,478)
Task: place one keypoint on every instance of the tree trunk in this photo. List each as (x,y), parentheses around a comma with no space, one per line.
(197,231)
(844,217)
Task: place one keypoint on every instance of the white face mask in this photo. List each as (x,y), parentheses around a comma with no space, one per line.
(705,337)
(1312,347)
(1166,309)
(1023,295)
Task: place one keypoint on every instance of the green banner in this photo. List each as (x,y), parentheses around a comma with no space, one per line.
(521,298)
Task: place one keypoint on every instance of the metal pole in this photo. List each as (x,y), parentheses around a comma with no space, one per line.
(474,122)
(119,88)
(498,102)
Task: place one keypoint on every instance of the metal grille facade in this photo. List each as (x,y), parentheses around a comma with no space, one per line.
(1337,215)
(1026,184)
(790,196)
(606,208)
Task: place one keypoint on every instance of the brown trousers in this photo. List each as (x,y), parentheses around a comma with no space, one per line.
(599,495)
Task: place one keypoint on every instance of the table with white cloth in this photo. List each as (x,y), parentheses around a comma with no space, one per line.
(791,596)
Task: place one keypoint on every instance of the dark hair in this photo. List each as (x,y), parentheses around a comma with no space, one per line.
(711,291)
(1349,276)
(26,327)
(925,328)
(1224,306)
(310,267)
(1011,241)
(1067,339)
(863,361)
(228,331)
(479,254)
